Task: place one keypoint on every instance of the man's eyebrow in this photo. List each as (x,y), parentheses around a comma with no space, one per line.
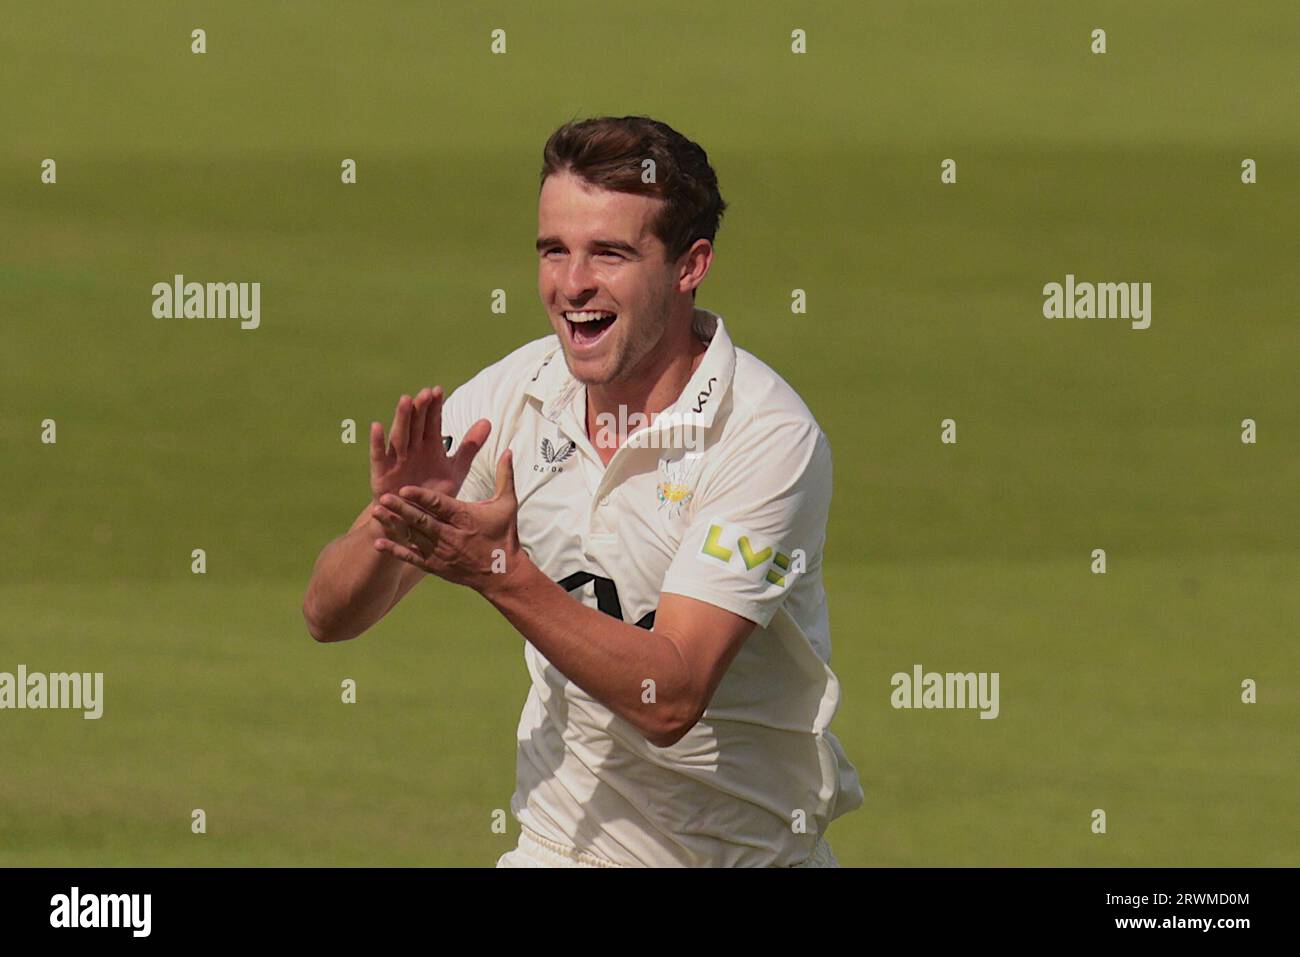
(544,241)
(615,244)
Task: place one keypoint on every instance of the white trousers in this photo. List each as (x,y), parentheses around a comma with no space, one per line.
(536,851)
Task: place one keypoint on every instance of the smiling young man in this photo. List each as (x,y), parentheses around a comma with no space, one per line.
(679,707)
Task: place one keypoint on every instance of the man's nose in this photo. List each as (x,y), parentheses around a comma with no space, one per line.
(578,281)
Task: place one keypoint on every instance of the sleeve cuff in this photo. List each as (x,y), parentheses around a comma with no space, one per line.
(760,613)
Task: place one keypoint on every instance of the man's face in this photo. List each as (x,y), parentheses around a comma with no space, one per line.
(596,254)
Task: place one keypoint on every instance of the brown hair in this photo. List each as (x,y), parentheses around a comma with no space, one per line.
(608,151)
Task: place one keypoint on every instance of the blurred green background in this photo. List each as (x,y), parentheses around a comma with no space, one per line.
(1119,692)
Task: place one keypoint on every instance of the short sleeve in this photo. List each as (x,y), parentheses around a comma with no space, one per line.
(759,521)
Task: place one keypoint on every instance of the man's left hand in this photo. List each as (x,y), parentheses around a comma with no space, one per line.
(473,544)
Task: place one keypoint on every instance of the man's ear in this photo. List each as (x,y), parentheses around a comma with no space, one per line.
(697,259)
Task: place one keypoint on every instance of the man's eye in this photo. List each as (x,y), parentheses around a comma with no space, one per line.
(615,255)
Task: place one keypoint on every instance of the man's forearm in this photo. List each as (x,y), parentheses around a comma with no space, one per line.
(352,584)
(607,658)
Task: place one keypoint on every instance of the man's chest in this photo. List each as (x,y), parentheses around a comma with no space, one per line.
(607,533)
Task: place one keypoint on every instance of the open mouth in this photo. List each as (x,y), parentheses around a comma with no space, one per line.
(588,326)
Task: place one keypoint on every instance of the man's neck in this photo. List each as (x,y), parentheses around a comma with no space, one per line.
(649,392)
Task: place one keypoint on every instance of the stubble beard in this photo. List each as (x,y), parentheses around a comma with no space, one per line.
(629,360)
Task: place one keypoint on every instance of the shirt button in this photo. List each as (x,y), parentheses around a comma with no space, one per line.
(604,501)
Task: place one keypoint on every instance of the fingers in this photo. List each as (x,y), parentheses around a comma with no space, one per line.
(415,441)
(505,477)
(469,447)
(415,421)
(391,523)
(411,514)
(440,507)
(377,452)
(403,553)
(433,421)
(398,435)
(396,530)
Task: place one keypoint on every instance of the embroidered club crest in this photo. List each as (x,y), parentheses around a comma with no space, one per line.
(676,486)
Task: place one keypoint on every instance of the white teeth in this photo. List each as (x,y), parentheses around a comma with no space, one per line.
(587,316)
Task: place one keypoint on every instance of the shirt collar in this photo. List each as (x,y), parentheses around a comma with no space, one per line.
(555,387)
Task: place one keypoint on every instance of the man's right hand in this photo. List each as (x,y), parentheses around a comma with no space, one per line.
(415,454)
(353,585)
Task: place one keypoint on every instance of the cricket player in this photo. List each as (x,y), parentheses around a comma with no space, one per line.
(646,504)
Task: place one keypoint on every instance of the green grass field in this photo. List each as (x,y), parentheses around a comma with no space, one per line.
(1119,692)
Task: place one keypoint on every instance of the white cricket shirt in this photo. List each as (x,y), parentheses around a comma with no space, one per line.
(759,778)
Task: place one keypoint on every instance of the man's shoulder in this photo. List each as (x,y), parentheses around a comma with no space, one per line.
(763,400)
